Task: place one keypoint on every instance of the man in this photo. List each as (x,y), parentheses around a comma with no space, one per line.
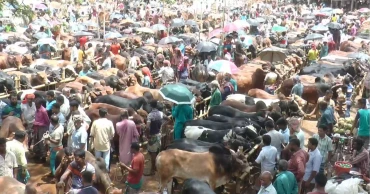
(268,156)
(102,133)
(153,132)
(167,73)
(8,161)
(312,166)
(282,125)
(28,109)
(74,52)
(115,48)
(56,111)
(90,52)
(56,131)
(87,180)
(135,172)
(324,51)
(75,168)
(270,80)
(360,157)
(83,41)
(86,70)
(325,146)
(227,88)
(277,139)
(16,147)
(64,105)
(362,120)
(13,109)
(232,81)
(107,63)
(327,117)
(50,100)
(40,126)
(295,129)
(313,54)
(327,99)
(79,134)
(285,182)
(216,97)
(320,181)
(127,132)
(266,184)
(298,87)
(297,162)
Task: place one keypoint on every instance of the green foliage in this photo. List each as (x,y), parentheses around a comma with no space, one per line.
(169,2)
(21,10)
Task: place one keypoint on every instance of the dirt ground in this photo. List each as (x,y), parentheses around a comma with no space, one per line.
(38,171)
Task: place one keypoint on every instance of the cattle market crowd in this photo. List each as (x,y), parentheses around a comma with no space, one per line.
(197,97)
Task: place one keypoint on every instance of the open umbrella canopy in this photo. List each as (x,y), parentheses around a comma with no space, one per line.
(241,23)
(177,93)
(82,33)
(158,27)
(127,22)
(168,40)
(40,35)
(334,25)
(314,36)
(253,22)
(308,17)
(115,16)
(364,10)
(43,41)
(91,24)
(110,35)
(145,30)
(191,23)
(261,20)
(360,56)
(215,32)
(41,6)
(320,28)
(223,66)
(272,55)
(177,22)
(231,27)
(205,47)
(279,29)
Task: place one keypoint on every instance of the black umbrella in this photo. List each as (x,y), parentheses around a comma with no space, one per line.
(334,25)
(191,23)
(205,47)
(177,22)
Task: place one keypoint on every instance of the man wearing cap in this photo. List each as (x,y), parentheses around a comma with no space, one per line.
(102,133)
(16,146)
(28,108)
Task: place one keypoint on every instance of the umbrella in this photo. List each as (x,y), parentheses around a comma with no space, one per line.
(145,30)
(110,35)
(78,28)
(40,35)
(215,32)
(116,16)
(177,22)
(188,38)
(261,20)
(337,11)
(351,17)
(191,23)
(364,10)
(168,40)
(177,94)
(360,56)
(321,14)
(253,22)
(241,23)
(334,25)
(314,36)
(205,47)
(327,9)
(158,27)
(43,41)
(223,66)
(231,27)
(82,33)
(40,6)
(272,55)
(320,28)
(126,22)
(215,41)
(308,17)
(91,24)
(41,22)
(279,29)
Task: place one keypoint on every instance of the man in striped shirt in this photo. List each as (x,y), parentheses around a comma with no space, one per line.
(325,145)
(360,157)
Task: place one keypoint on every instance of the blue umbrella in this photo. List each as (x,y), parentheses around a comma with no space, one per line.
(320,28)
(40,35)
(360,56)
(91,24)
(41,22)
(116,15)
(78,28)
(314,36)
(82,33)
(326,9)
(48,41)
(113,35)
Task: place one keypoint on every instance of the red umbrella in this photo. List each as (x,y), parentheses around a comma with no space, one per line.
(231,27)
(215,32)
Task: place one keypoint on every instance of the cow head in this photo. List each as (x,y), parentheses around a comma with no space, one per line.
(42,77)
(15,61)
(27,59)
(102,181)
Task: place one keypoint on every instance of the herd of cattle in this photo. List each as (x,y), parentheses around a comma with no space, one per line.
(237,121)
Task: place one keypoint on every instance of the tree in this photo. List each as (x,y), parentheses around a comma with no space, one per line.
(19,9)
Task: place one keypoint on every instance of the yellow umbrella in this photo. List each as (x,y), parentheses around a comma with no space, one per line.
(126,22)
(145,30)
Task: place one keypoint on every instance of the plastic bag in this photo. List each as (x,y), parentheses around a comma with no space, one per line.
(349,186)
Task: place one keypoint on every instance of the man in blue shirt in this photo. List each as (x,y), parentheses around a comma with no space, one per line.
(298,87)
(50,101)
(87,180)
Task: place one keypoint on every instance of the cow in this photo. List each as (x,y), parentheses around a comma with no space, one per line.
(249,77)
(258,93)
(9,126)
(44,63)
(10,61)
(216,167)
(114,100)
(30,80)
(260,105)
(11,185)
(124,94)
(111,109)
(53,75)
(194,186)
(6,82)
(138,90)
(238,122)
(245,99)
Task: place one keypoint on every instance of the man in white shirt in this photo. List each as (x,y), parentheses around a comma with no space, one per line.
(266,184)
(74,53)
(17,148)
(102,133)
(166,72)
(64,105)
(312,166)
(268,155)
(56,131)
(8,161)
(277,139)
(28,111)
(282,124)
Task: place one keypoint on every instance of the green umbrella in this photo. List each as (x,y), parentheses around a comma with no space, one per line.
(177,93)
(279,29)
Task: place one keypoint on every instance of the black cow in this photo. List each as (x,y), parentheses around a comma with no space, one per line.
(113,82)
(249,100)
(239,122)
(190,145)
(6,82)
(193,186)
(95,75)
(200,89)
(114,100)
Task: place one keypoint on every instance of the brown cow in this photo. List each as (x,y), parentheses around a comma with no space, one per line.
(113,110)
(215,167)
(34,79)
(108,72)
(10,61)
(86,80)
(258,93)
(120,62)
(79,87)
(139,90)
(61,64)
(249,78)
(11,185)
(9,126)
(124,94)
